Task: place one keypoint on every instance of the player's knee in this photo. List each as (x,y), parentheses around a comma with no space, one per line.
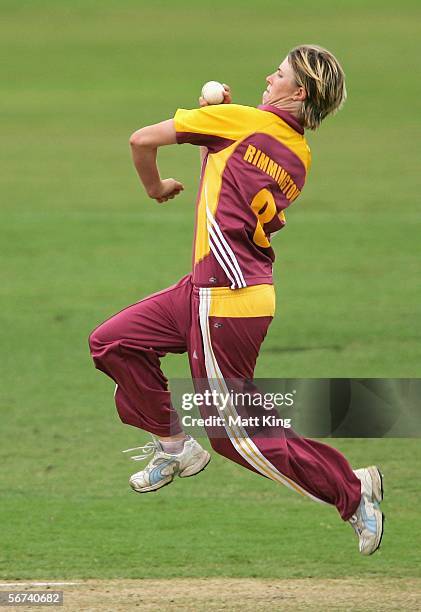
(96,340)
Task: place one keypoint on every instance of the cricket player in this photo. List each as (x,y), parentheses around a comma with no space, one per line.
(254,165)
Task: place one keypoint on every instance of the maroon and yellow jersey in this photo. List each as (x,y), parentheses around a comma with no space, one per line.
(255,167)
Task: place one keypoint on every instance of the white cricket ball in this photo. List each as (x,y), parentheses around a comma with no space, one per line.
(213,92)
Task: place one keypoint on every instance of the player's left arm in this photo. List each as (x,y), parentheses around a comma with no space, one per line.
(144,144)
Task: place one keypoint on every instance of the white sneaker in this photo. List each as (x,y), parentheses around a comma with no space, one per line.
(163,466)
(371,483)
(367,523)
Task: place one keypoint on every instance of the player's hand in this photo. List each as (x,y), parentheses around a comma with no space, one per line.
(167,190)
(227,97)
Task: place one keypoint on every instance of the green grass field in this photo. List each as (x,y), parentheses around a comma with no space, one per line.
(81,241)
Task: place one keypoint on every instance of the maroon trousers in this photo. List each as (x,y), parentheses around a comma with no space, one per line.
(185,318)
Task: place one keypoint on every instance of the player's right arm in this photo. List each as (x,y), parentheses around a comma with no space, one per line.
(144,144)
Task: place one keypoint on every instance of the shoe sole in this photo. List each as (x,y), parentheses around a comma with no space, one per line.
(153,488)
(381,536)
(158,486)
(378,494)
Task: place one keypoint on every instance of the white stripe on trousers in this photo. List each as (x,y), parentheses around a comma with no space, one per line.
(236,433)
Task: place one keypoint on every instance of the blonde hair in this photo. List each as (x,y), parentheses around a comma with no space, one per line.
(322,77)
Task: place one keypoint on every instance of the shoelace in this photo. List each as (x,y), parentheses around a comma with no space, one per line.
(147,450)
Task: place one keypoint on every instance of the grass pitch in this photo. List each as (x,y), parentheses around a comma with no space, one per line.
(82,241)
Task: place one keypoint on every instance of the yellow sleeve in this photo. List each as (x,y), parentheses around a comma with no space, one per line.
(211,125)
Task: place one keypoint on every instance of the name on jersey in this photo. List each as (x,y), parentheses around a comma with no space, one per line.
(257,158)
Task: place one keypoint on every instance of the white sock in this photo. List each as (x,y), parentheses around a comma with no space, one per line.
(175,447)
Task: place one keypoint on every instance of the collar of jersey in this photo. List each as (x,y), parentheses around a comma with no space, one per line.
(283,114)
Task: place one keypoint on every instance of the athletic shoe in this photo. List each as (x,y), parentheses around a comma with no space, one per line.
(163,466)
(367,523)
(371,483)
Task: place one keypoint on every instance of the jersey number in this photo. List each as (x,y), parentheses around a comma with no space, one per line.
(264,207)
